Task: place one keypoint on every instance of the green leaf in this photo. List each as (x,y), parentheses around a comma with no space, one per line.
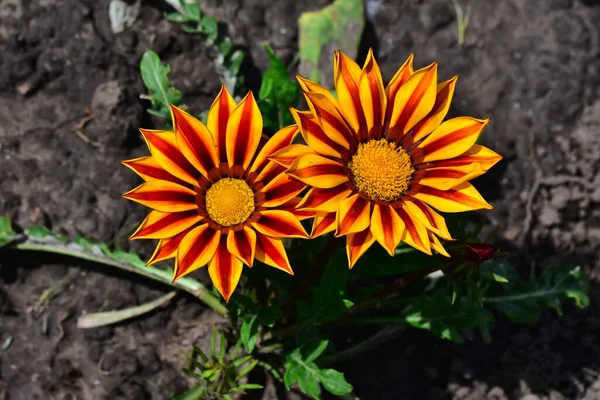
(277,94)
(250,386)
(197,392)
(7,234)
(249,333)
(501,271)
(38,231)
(291,375)
(525,304)
(154,74)
(249,367)
(311,352)
(210,27)
(334,382)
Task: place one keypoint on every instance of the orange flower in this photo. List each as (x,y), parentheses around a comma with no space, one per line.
(378,159)
(215,196)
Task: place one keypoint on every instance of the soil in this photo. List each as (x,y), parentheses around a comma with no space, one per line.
(532,66)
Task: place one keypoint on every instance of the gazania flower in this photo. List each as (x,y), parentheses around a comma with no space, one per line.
(215,196)
(379,158)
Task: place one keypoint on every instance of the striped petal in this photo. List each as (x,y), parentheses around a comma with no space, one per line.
(372,96)
(461,198)
(437,245)
(346,75)
(413,101)
(483,156)
(443,98)
(225,270)
(280,140)
(218,116)
(167,248)
(196,249)
(330,120)
(309,86)
(323,223)
(354,215)
(163,196)
(426,216)
(163,146)
(286,156)
(244,130)
(316,138)
(415,234)
(194,141)
(318,171)
(387,227)
(279,224)
(270,251)
(451,139)
(280,190)
(159,225)
(401,76)
(357,244)
(291,207)
(324,200)
(242,244)
(447,178)
(147,168)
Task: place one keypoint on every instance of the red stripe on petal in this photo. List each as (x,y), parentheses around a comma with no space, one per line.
(323,223)
(244,131)
(415,234)
(357,244)
(195,250)
(280,140)
(280,190)
(163,146)
(167,248)
(354,215)
(279,223)
(159,225)
(271,251)
(225,270)
(163,196)
(147,168)
(242,244)
(324,200)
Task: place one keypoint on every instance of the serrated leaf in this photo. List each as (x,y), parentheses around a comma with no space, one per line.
(249,333)
(334,382)
(154,74)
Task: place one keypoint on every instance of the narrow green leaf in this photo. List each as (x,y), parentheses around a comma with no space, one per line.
(7,234)
(249,333)
(250,386)
(197,392)
(312,351)
(291,375)
(249,367)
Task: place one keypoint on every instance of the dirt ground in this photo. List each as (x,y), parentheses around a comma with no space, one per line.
(532,66)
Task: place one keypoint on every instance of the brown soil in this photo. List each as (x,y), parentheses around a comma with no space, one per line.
(532,66)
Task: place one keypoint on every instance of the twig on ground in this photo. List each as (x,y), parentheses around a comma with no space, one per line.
(463,18)
(49,293)
(79,132)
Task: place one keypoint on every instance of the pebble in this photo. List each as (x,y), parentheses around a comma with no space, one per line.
(549,216)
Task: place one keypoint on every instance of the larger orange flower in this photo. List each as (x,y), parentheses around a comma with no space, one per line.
(215,196)
(379,158)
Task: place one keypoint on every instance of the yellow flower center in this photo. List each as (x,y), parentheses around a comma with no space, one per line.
(381,170)
(229,202)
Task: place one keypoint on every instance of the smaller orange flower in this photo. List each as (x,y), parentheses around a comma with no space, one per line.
(216,198)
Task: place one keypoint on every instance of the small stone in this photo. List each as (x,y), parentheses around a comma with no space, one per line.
(579,232)
(594,235)
(560,197)
(549,216)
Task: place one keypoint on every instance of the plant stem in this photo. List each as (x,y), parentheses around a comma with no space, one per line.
(188,285)
(384,335)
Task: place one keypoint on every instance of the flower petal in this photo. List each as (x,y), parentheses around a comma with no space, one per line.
(163,146)
(167,248)
(437,245)
(443,98)
(280,190)
(426,216)
(286,156)
(147,168)
(159,225)
(279,224)
(244,131)
(225,270)
(372,96)
(357,244)
(323,223)
(280,140)
(387,227)
(346,74)
(330,120)
(324,200)
(196,249)
(194,141)
(270,251)
(461,198)
(312,87)
(218,116)
(483,156)
(354,215)
(447,178)
(316,138)
(242,244)
(163,196)
(413,101)
(415,233)
(401,76)
(318,171)
(451,139)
